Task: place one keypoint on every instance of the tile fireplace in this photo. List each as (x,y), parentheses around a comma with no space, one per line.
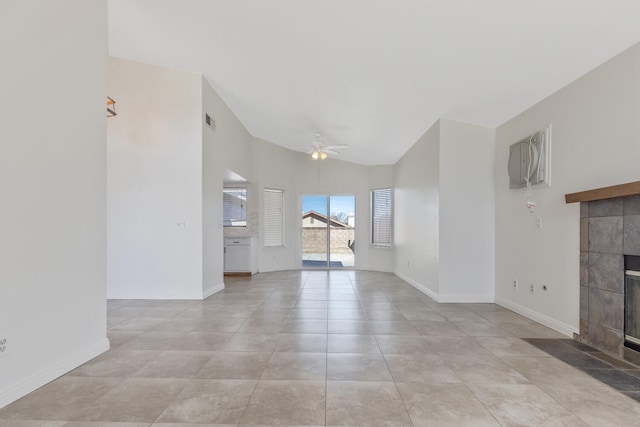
(609,300)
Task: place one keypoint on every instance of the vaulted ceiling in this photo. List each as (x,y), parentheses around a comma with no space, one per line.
(374,74)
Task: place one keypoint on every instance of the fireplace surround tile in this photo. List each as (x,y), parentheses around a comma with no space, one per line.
(606,309)
(584,234)
(605,234)
(632,235)
(584,302)
(584,268)
(606,339)
(632,205)
(584,210)
(606,271)
(606,207)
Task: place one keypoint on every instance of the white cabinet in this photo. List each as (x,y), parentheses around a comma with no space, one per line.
(241,255)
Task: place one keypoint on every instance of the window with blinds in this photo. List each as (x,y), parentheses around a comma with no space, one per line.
(273,228)
(381,217)
(234,207)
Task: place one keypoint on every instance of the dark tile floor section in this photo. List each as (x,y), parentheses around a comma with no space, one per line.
(616,373)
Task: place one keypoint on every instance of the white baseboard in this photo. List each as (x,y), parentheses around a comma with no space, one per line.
(376,269)
(208,292)
(469,299)
(547,321)
(50,373)
(419,286)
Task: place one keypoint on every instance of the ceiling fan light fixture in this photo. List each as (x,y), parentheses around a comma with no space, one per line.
(323,155)
(315,155)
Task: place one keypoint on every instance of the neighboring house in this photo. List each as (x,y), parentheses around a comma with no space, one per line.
(312,219)
(314,236)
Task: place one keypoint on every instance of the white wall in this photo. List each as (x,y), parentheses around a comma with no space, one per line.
(467,212)
(444,213)
(298,174)
(52,181)
(228,146)
(154,164)
(596,143)
(143,154)
(416,213)
(273,165)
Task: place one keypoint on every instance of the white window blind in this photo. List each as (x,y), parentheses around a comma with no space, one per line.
(273,217)
(234,207)
(381,217)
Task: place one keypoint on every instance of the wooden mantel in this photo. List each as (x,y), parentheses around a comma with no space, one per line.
(621,190)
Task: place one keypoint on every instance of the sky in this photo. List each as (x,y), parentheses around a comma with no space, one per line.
(344,204)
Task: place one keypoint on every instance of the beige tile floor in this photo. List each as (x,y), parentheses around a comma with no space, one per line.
(319,348)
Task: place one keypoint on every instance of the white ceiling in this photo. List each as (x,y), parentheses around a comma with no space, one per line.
(374,74)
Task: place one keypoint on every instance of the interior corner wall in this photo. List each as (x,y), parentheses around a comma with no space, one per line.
(467,212)
(444,213)
(154,171)
(53,186)
(595,134)
(228,145)
(416,213)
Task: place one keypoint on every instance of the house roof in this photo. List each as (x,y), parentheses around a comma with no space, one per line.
(323,218)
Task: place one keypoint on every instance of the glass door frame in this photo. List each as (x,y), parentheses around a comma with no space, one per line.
(328,261)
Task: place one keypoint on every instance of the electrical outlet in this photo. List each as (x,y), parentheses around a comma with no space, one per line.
(515,283)
(3,346)
(532,288)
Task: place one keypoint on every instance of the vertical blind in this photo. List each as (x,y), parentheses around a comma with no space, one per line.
(273,217)
(381,217)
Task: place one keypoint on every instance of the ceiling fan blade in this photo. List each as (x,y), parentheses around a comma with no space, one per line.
(330,151)
(336,146)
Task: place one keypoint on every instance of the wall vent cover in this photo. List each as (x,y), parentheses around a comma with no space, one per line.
(530,158)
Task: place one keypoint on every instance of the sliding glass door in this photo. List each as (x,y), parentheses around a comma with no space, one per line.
(328,231)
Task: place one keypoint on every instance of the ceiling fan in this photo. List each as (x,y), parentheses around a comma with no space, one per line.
(319,149)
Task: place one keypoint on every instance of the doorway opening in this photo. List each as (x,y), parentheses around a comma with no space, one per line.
(328,231)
